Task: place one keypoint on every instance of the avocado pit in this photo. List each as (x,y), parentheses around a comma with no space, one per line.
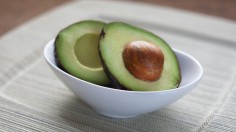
(143,60)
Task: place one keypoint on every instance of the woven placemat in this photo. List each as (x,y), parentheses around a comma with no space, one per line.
(33,99)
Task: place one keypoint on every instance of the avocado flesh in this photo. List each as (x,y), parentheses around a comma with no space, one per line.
(76,49)
(114,38)
(86,50)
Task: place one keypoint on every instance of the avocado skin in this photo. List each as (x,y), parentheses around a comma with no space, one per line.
(114,81)
(56,57)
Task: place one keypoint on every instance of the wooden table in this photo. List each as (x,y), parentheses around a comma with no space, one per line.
(16,12)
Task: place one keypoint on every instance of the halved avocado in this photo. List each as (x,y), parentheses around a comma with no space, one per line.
(137,60)
(76,49)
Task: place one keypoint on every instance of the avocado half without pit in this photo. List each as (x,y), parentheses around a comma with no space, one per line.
(76,51)
(135,59)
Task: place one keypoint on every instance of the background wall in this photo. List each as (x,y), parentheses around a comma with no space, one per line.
(15,12)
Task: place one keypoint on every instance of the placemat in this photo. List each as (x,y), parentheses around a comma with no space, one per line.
(33,99)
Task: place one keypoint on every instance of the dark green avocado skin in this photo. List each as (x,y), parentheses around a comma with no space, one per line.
(57,59)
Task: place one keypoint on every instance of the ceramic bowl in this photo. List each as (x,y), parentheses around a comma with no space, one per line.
(121,103)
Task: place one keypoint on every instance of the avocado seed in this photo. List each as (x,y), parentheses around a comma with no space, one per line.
(143,60)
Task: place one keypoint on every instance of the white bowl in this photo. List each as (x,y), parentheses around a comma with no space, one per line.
(121,103)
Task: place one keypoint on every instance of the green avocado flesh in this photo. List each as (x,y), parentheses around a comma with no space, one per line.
(76,49)
(115,37)
(86,50)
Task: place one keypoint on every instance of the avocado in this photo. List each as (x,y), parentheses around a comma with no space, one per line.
(136,59)
(76,51)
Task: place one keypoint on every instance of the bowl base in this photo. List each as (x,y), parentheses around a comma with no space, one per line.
(116,116)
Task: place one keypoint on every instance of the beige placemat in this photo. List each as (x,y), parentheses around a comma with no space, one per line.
(33,99)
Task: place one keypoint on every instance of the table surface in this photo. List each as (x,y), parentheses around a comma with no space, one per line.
(25,10)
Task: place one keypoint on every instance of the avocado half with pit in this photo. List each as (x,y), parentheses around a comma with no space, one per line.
(76,51)
(137,60)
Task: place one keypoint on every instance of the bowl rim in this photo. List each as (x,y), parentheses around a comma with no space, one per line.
(51,43)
